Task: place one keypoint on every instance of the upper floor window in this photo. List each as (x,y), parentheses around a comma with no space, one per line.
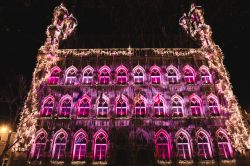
(104,75)
(162,145)
(38,148)
(183,145)
(121,106)
(100,145)
(71,77)
(204,146)
(83,106)
(225,148)
(65,106)
(195,107)
(206,77)
(172,74)
(80,145)
(102,106)
(213,105)
(59,145)
(189,74)
(140,106)
(139,74)
(121,73)
(155,72)
(47,107)
(54,75)
(87,77)
(177,106)
(159,106)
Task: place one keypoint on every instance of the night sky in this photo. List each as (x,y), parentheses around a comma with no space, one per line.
(120,23)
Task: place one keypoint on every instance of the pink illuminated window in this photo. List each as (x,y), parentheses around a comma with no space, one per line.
(71,78)
(172,74)
(47,107)
(213,105)
(59,147)
(140,108)
(139,73)
(65,107)
(195,106)
(104,76)
(121,75)
(225,149)
(100,147)
(155,75)
(39,146)
(54,75)
(204,147)
(87,75)
(102,106)
(177,106)
(80,146)
(183,146)
(83,107)
(205,75)
(121,106)
(162,145)
(159,108)
(189,75)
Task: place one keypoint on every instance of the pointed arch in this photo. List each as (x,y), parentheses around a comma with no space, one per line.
(39,145)
(173,74)
(189,74)
(60,139)
(100,145)
(71,75)
(162,145)
(87,75)
(121,106)
(139,74)
(121,74)
(195,105)
(183,144)
(213,105)
(104,75)
(80,141)
(177,106)
(206,77)
(224,144)
(48,104)
(204,144)
(155,74)
(159,106)
(140,103)
(83,106)
(54,75)
(65,106)
(102,103)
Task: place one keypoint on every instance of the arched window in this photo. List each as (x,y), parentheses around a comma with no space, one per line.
(162,145)
(100,145)
(65,106)
(213,105)
(177,106)
(102,106)
(139,74)
(140,106)
(38,148)
(54,75)
(224,145)
(83,106)
(47,107)
(121,73)
(71,73)
(121,106)
(87,77)
(159,106)
(59,145)
(183,145)
(189,74)
(206,77)
(155,72)
(195,107)
(104,75)
(204,146)
(172,74)
(80,145)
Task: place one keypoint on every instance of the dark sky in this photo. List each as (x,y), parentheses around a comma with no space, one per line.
(118,23)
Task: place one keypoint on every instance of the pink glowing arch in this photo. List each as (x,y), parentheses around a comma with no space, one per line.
(121,111)
(104,74)
(196,105)
(87,74)
(100,145)
(174,76)
(70,75)
(38,148)
(65,110)
(47,110)
(204,142)
(155,79)
(83,110)
(183,142)
(59,148)
(139,74)
(189,74)
(54,75)
(158,99)
(121,79)
(205,74)
(161,146)
(177,105)
(79,148)
(213,104)
(140,104)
